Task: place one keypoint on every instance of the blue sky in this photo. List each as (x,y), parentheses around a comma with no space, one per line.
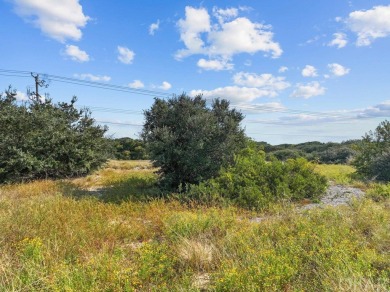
(299,70)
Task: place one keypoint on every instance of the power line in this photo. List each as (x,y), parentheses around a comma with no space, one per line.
(94,84)
(118,123)
(339,118)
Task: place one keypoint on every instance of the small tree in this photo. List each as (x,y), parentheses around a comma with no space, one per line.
(189,141)
(373,153)
(39,139)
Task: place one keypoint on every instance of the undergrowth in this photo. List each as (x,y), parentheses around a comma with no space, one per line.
(66,236)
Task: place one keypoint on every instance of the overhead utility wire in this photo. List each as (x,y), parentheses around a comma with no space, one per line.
(95,84)
(149,92)
(264,108)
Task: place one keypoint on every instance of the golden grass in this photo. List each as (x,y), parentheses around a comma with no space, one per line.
(63,236)
(340,174)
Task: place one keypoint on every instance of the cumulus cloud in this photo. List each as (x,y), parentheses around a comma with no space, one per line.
(264,81)
(76,54)
(308,90)
(165,86)
(215,65)
(196,22)
(369,24)
(224,14)
(338,70)
(125,55)
(233,93)
(225,38)
(137,84)
(21,96)
(283,69)
(60,20)
(154,27)
(309,71)
(248,87)
(339,40)
(91,77)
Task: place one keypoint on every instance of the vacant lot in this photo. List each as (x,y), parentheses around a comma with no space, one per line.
(104,233)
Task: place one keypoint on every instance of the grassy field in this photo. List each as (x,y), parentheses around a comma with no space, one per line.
(103,233)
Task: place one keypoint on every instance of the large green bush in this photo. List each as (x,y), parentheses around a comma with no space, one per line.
(39,139)
(254,183)
(189,141)
(373,154)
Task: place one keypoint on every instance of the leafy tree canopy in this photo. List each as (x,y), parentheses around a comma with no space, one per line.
(373,158)
(39,139)
(190,141)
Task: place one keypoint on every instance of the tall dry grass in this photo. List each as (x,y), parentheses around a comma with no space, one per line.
(100,233)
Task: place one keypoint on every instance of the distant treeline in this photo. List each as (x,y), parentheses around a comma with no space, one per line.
(328,153)
(332,153)
(128,149)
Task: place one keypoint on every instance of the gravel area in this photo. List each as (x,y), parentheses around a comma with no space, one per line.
(337,195)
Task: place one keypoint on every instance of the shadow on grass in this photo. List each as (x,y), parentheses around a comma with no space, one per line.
(140,189)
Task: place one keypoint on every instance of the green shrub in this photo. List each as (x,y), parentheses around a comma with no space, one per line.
(373,157)
(254,183)
(39,139)
(379,192)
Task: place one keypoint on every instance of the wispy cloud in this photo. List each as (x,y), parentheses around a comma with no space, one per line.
(125,55)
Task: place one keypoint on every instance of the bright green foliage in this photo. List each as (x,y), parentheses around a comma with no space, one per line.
(373,158)
(254,183)
(39,139)
(189,141)
(379,192)
(128,149)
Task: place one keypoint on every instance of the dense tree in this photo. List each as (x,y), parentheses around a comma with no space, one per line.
(39,139)
(128,149)
(373,158)
(190,141)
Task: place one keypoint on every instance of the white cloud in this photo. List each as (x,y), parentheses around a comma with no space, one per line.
(234,93)
(242,36)
(224,14)
(309,71)
(283,69)
(379,110)
(153,27)
(308,90)
(266,82)
(126,56)
(301,119)
(165,86)
(60,20)
(215,65)
(197,21)
(76,54)
(260,107)
(21,96)
(338,70)
(339,40)
(224,39)
(369,24)
(136,84)
(91,77)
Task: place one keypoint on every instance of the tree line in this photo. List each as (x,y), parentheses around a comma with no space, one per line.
(199,148)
